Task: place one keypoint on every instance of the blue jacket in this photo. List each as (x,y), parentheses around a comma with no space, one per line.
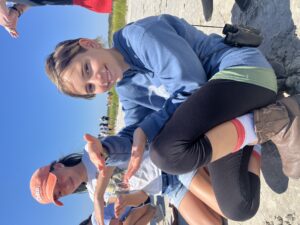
(169,60)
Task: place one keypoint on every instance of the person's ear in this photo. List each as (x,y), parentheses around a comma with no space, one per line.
(89,43)
(58,166)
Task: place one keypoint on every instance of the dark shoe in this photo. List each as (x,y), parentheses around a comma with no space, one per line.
(271,168)
(280,123)
(243,4)
(207,6)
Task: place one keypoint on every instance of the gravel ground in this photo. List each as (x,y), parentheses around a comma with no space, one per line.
(279,21)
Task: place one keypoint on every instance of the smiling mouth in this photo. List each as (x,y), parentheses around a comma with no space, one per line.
(109,76)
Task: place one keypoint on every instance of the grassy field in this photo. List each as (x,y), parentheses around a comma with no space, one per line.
(116,20)
(118,17)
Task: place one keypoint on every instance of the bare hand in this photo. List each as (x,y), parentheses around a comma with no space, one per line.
(96,152)
(13,17)
(8,19)
(137,151)
(4,11)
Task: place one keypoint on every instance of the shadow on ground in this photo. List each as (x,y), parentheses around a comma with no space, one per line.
(282,48)
(281,45)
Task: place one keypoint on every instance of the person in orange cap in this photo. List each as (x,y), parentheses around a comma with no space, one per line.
(63,177)
(43,185)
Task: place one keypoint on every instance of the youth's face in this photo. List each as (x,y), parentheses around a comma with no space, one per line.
(93,72)
(67,180)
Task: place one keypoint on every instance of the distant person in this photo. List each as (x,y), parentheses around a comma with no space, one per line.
(104,132)
(105,118)
(104,126)
(105,129)
(9,16)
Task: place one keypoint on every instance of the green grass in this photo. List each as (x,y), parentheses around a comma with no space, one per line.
(118,18)
(116,21)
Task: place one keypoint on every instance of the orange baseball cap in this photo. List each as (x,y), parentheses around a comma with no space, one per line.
(42,184)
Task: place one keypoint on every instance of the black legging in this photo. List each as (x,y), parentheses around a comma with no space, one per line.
(237,190)
(181,146)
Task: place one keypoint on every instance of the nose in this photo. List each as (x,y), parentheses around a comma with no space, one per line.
(98,79)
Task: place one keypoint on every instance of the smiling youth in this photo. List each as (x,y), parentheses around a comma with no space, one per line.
(95,70)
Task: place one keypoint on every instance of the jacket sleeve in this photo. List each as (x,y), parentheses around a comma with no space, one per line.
(118,149)
(133,114)
(164,50)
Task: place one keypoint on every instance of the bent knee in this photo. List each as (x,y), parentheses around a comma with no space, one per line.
(242,211)
(162,159)
(173,160)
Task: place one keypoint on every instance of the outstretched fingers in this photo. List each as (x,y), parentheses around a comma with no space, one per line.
(96,152)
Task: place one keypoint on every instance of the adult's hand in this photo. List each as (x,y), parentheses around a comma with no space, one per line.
(4,21)
(137,151)
(96,152)
(13,17)
(8,19)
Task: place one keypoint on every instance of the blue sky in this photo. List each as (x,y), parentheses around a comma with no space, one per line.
(39,124)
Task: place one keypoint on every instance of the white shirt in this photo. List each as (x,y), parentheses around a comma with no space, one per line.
(148,178)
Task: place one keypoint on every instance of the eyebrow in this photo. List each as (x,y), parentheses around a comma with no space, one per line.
(82,69)
(82,65)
